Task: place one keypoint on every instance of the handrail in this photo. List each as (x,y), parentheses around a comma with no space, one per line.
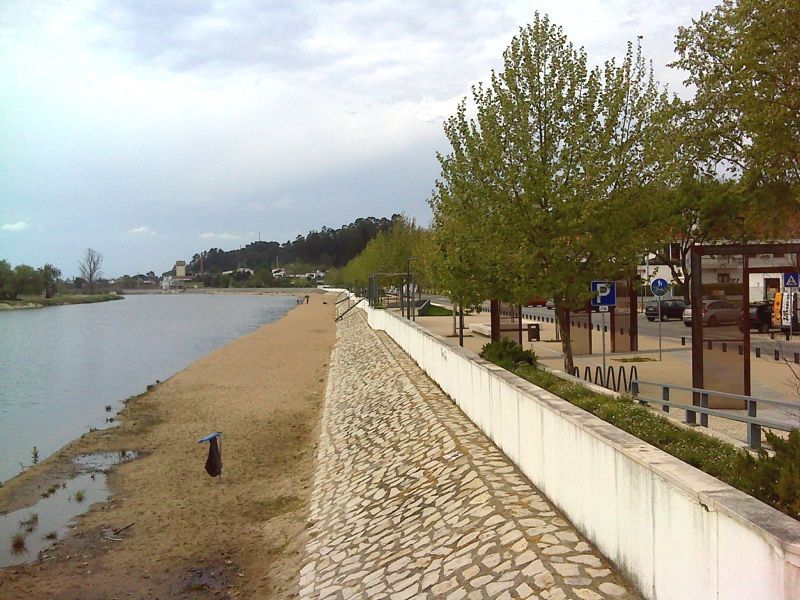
(341,316)
(723,394)
(754,424)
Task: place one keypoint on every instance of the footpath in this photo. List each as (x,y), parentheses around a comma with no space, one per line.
(411,500)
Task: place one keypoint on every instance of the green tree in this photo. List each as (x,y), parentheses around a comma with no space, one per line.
(744,59)
(50,276)
(7,281)
(548,176)
(697,210)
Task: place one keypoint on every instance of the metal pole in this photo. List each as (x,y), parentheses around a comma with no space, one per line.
(461,323)
(659,328)
(603,315)
(408,288)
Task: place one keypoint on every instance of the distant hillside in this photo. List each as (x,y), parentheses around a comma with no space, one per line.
(317,250)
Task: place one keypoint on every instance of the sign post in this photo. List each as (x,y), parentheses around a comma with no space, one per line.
(659,287)
(791,281)
(604,294)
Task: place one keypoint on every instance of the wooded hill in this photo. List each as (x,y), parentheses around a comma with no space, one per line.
(322,249)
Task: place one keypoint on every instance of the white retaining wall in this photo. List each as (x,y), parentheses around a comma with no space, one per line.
(673,531)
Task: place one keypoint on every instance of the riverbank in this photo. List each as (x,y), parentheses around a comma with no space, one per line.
(193,535)
(60,300)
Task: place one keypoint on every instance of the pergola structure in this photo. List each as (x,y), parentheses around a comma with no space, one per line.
(721,353)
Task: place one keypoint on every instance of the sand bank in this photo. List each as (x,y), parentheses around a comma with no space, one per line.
(194,536)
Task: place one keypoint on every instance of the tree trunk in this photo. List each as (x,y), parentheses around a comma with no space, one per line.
(562,318)
(495,320)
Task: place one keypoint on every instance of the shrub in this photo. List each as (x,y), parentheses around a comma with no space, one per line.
(774,479)
(507,354)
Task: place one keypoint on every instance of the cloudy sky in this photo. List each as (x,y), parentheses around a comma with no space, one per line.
(150,130)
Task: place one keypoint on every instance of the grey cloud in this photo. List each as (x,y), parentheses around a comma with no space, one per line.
(400,51)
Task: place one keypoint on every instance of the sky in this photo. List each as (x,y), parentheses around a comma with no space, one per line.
(152,130)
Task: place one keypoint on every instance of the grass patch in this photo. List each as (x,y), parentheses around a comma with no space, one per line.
(775,480)
(80,496)
(63,299)
(435,311)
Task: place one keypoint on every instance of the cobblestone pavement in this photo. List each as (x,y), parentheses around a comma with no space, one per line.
(411,500)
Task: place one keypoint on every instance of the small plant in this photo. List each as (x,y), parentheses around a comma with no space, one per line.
(507,354)
(18,542)
(52,535)
(30,523)
(80,495)
(35,455)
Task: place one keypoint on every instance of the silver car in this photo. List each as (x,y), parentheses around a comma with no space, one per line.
(714,312)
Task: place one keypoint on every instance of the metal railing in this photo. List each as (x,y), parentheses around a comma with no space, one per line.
(754,423)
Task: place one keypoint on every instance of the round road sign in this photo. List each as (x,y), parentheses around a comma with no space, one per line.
(659,286)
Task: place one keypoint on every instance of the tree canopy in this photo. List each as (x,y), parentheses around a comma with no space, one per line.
(541,190)
(744,58)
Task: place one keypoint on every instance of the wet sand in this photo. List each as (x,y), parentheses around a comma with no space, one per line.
(194,536)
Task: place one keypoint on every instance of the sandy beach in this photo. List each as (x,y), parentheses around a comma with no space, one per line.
(194,536)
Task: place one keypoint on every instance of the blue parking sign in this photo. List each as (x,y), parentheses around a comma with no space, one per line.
(604,293)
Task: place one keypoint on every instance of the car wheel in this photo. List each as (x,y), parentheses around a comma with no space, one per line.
(712,321)
(687,323)
(651,319)
(763,328)
(664,317)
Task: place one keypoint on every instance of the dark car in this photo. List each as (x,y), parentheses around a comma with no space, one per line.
(760,317)
(670,309)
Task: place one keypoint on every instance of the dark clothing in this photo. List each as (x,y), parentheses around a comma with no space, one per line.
(214,460)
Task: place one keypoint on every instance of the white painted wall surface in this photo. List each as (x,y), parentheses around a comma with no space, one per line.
(673,531)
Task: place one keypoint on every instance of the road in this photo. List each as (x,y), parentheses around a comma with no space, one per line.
(675,330)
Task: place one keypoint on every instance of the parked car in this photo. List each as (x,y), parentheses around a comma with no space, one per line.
(550,304)
(760,317)
(714,312)
(670,309)
(536,301)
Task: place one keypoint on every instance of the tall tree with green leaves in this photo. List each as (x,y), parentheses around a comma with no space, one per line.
(542,188)
(744,59)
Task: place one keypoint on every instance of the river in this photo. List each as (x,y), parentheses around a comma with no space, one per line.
(60,367)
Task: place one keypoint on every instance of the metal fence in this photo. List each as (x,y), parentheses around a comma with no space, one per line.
(754,423)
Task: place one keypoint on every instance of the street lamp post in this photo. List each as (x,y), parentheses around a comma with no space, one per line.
(409,309)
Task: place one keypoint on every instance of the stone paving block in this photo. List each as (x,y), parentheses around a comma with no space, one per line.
(411,500)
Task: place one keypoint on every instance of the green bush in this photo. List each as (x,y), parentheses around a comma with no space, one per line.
(774,479)
(508,354)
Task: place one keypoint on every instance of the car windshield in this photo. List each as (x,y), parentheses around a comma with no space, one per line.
(652,305)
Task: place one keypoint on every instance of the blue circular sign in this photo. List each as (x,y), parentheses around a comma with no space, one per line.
(659,286)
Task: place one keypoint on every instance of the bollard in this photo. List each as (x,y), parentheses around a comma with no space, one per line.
(777,354)
(724,347)
(758,352)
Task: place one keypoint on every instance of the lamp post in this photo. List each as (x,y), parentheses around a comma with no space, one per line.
(409,309)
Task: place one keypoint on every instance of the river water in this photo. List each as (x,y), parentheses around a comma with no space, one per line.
(61,366)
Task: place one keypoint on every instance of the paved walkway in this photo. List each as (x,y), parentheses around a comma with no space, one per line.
(412,501)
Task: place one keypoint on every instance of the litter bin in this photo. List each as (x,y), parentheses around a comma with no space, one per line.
(533,332)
